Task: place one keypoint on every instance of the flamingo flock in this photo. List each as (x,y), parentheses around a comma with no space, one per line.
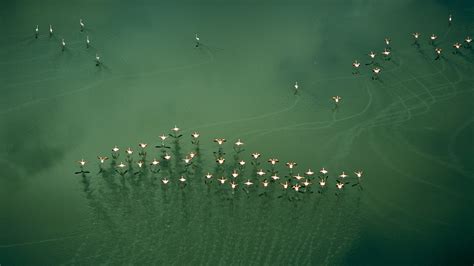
(387,51)
(226,173)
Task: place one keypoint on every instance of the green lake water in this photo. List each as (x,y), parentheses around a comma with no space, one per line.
(410,132)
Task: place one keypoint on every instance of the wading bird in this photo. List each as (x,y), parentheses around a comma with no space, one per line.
(372,55)
(343,175)
(222,180)
(376,72)
(220,160)
(121,169)
(456,47)
(196,37)
(323,171)
(82,163)
(187,160)
(115,152)
(195,136)
(163,137)
(356,66)
(248,183)
(359,179)
(468,41)
(291,165)
(102,159)
(298,177)
(81,23)
(372,58)
(339,185)
(219,141)
(416,36)
(175,131)
(155,164)
(273,161)
(97,60)
(296,187)
(275,177)
(322,182)
(433,38)
(306,183)
(142,147)
(140,166)
(238,146)
(235,174)
(438,53)
(386,53)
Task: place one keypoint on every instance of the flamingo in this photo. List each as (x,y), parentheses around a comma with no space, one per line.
(323,171)
(261,172)
(219,141)
(220,160)
(196,37)
(255,155)
(275,177)
(356,66)
(291,165)
(273,161)
(97,59)
(235,174)
(298,177)
(307,183)
(456,47)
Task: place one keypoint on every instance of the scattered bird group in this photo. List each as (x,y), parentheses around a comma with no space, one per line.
(63,42)
(376,70)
